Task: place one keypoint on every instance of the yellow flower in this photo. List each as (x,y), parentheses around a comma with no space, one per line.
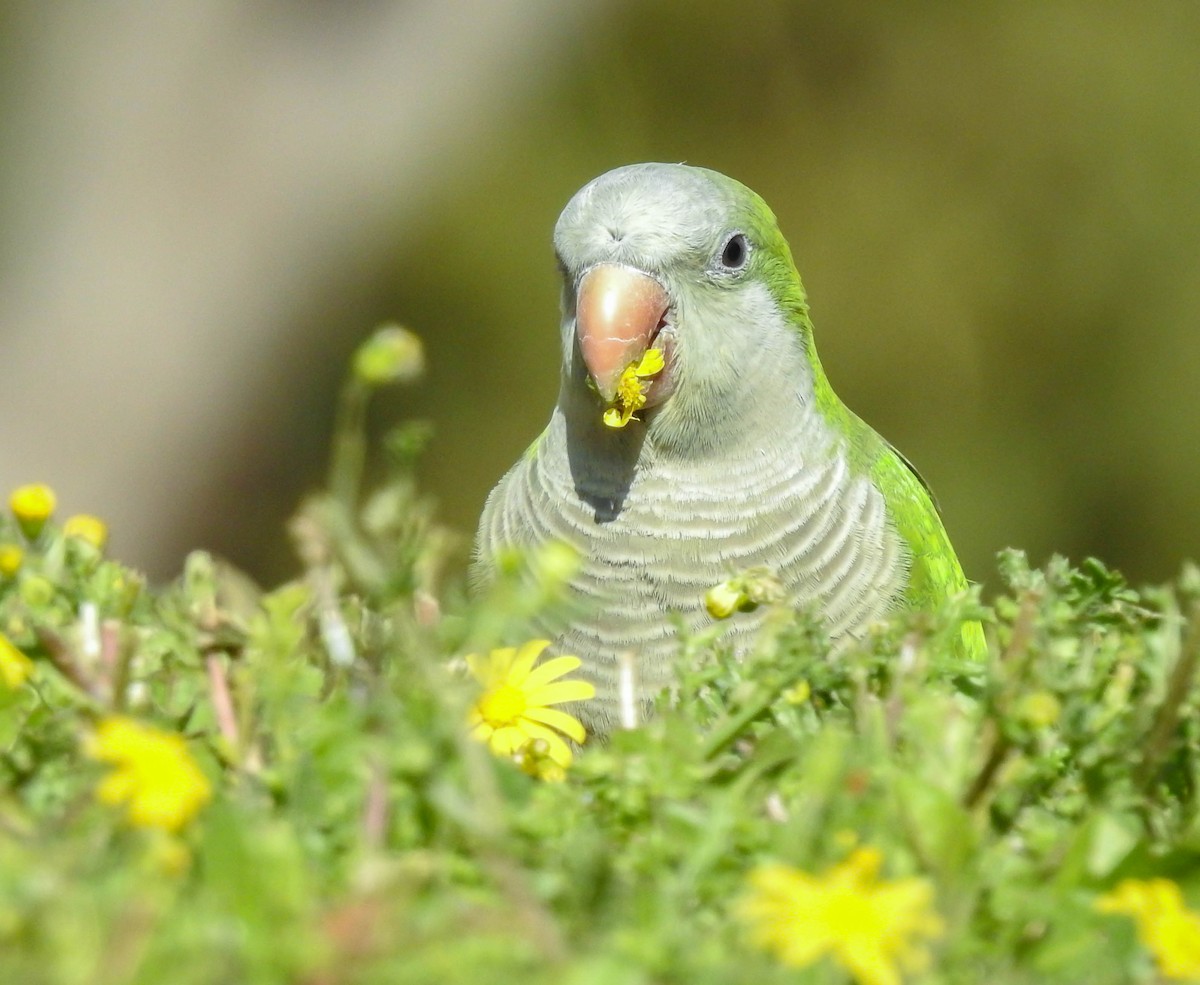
(88,528)
(798,693)
(11,557)
(1167,928)
(513,716)
(631,391)
(15,667)
(154,773)
(32,505)
(870,928)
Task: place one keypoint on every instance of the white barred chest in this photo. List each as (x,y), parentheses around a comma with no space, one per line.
(678,529)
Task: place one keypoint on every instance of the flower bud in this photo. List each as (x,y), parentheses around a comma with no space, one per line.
(392,355)
(90,529)
(723,600)
(32,505)
(798,693)
(11,557)
(761,586)
(36,592)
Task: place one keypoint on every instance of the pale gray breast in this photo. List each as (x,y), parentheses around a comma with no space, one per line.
(682,528)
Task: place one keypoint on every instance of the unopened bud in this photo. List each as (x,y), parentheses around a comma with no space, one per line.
(11,557)
(88,528)
(392,355)
(723,600)
(32,505)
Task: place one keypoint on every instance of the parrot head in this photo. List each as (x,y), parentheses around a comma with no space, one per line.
(682,308)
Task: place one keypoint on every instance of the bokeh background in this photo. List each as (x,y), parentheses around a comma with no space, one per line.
(204,206)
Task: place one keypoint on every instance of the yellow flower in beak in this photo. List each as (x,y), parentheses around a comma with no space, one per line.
(631,389)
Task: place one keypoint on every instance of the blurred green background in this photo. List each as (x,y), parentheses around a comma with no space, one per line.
(995,208)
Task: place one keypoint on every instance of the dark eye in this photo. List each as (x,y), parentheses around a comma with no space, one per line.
(735,252)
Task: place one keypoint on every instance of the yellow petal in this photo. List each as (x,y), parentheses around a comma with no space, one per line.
(501,660)
(557,692)
(552,668)
(15,667)
(869,965)
(569,725)
(615,418)
(505,741)
(525,658)
(651,363)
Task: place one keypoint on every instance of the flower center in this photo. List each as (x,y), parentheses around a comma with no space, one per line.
(502,706)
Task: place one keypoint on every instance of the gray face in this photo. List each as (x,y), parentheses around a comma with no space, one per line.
(732,346)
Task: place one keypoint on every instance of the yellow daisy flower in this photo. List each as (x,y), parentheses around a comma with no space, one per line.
(155,775)
(631,390)
(15,667)
(869,927)
(1167,928)
(513,714)
(32,505)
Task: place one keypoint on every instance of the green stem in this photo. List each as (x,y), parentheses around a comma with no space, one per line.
(725,734)
(1166,720)
(349,453)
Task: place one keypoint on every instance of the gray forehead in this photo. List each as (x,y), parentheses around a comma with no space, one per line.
(659,210)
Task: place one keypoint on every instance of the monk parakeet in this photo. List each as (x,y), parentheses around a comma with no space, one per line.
(696,435)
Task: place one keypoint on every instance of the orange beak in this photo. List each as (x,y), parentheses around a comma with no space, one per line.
(616,316)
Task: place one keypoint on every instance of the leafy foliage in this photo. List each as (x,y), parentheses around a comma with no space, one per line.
(356,833)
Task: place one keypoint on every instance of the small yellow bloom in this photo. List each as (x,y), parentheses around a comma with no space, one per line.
(154,775)
(87,528)
(1167,928)
(513,716)
(32,505)
(631,389)
(11,557)
(15,667)
(798,693)
(872,929)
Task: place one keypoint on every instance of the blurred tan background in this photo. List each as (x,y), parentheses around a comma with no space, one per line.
(204,206)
